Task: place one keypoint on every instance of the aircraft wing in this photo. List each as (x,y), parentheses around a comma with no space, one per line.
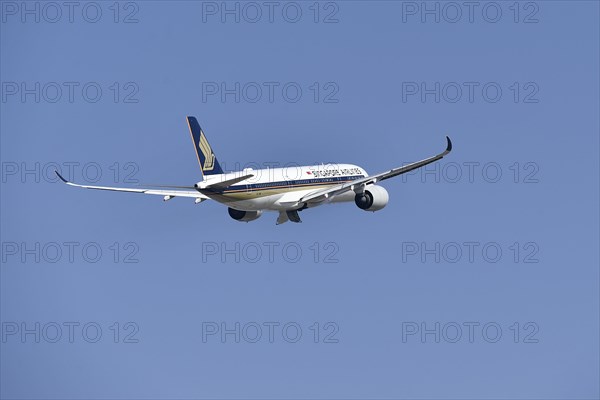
(167,194)
(359,184)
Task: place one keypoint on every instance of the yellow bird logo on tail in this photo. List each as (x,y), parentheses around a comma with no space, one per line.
(209,157)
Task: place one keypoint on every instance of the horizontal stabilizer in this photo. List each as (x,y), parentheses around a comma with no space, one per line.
(223,184)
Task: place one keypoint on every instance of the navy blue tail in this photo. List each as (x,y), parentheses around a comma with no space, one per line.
(206,158)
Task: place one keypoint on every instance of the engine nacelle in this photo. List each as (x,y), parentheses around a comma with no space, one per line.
(244,216)
(374,198)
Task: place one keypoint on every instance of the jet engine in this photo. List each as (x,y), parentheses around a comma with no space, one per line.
(244,216)
(374,198)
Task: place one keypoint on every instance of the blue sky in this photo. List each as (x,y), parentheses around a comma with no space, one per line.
(497,242)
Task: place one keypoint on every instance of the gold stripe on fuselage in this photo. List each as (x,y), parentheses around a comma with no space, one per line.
(240,194)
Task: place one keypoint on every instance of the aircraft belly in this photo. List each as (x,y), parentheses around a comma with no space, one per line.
(269,199)
(254,203)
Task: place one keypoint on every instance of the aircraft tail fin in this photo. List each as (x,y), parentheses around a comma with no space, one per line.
(209,165)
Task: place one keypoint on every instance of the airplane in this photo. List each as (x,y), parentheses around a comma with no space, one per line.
(248,193)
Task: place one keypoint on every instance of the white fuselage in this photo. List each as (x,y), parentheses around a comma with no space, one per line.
(269,188)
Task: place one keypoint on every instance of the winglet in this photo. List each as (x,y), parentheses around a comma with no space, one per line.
(449,147)
(61,177)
